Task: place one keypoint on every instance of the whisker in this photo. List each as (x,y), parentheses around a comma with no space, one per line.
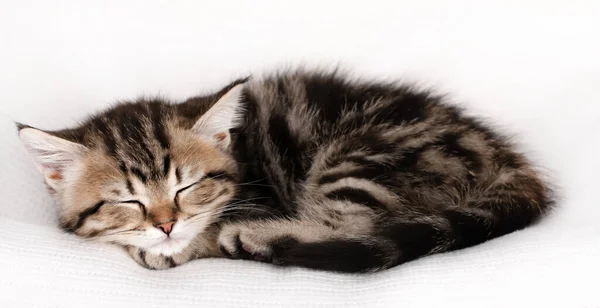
(261,185)
(250,182)
(258,198)
(245,210)
(246,200)
(114,236)
(203,215)
(254,205)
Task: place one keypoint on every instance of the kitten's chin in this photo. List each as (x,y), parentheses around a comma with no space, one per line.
(168,247)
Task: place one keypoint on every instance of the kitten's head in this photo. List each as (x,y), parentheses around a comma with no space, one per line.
(147,174)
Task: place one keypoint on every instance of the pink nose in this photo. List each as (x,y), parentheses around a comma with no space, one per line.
(166,227)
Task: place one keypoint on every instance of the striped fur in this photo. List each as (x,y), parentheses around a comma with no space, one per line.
(326,172)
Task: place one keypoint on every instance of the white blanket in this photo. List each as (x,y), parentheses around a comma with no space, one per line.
(530,66)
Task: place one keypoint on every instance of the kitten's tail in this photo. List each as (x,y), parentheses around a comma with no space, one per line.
(457,228)
(338,255)
(402,240)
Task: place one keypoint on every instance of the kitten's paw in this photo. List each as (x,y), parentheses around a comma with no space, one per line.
(243,242)
(150,261)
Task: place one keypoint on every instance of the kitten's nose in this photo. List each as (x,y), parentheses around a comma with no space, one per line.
(166,227)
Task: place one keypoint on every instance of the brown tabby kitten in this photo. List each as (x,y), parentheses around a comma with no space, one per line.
(309,169)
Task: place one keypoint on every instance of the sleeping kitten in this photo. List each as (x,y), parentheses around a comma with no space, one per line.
(308,169)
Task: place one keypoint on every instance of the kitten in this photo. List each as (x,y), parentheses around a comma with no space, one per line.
(309,169)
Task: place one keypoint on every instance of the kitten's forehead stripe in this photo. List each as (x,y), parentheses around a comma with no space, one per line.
(178,175)
(166,164)
(130,186)
(123,167)
(135,134)
(158,125)
(139,174)
(150,159)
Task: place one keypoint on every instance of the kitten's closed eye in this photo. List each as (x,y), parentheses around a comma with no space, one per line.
(140,205)
(213,175)
(186,188)
(176,200)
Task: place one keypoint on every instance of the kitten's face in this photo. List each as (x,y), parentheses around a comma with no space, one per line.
(137,175)
(160,208)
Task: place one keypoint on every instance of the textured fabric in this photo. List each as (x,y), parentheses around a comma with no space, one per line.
(531,66)
(542,267)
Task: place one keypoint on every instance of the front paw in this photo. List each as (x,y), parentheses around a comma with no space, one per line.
(241,242)
(237,241)
(150,261)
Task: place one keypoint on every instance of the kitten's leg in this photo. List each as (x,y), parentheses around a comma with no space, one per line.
(346,232)
(336,236)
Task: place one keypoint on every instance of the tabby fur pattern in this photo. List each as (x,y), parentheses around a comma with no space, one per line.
(302,168)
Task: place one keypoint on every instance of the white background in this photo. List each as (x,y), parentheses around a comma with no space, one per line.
(531,67)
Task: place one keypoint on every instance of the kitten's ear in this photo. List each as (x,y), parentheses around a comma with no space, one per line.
(224,115)
(51,154)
